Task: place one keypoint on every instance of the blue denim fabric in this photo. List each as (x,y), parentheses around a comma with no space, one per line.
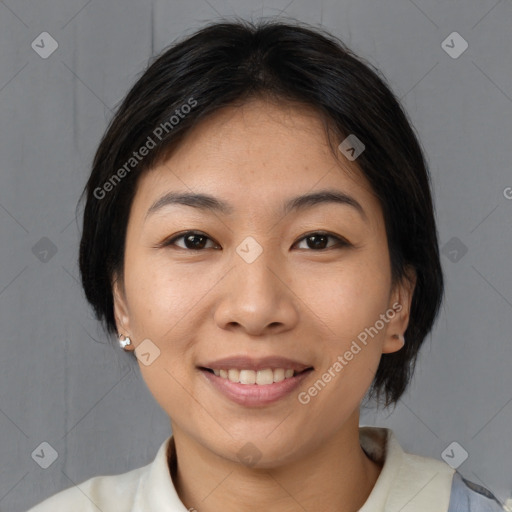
(467,496)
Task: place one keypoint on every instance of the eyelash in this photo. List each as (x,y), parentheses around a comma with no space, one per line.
(341,242)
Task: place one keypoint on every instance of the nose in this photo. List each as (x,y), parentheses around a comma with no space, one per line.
(257,298)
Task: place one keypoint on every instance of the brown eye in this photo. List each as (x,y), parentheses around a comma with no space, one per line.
(196,241)
(319,241)
(193,240)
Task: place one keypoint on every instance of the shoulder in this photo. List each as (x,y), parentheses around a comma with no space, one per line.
(107,493)
(467,496)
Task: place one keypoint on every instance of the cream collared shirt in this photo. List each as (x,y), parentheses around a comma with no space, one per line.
(407,483)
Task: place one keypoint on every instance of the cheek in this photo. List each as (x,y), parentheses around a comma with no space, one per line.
(355,299)
(348,297)
(159,297)
(162,306)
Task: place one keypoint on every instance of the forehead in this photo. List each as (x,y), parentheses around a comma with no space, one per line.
(259,153)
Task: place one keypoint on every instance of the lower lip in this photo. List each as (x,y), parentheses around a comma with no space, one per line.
(255,394)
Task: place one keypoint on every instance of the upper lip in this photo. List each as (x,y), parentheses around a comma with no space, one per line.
(248,363)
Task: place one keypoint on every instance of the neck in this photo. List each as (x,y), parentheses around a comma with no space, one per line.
(341,481)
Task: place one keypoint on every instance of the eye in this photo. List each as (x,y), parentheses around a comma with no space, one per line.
(318,241)
(196,241)
(193,240)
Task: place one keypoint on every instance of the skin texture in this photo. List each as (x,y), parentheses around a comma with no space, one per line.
(294,300)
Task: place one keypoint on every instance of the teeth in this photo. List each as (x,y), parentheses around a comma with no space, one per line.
(264,377)
(247,377)
(279,374)
(233,375)
(261,377)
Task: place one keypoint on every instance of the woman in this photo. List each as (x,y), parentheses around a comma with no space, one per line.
(260,234)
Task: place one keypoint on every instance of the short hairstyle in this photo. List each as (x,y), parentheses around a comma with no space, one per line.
(227,63)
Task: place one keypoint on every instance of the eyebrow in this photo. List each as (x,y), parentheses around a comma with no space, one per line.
(208,202)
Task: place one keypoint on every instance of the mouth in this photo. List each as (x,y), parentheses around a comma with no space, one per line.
(263,377)
(252,388)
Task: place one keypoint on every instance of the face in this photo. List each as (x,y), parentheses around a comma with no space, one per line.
(256,281)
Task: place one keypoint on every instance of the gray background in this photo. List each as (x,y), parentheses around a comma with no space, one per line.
(61,380)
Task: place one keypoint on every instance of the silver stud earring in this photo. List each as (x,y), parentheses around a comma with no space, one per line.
(124,341)
(401,338)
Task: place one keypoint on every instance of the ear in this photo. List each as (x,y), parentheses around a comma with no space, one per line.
(400,302)
(120,307)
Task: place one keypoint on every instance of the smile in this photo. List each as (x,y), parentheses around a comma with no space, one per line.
(255,388)
(260,377)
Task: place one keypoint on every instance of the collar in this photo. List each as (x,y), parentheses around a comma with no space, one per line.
(408,483)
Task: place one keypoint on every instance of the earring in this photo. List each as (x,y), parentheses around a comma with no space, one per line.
(124,341)
(401,338)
